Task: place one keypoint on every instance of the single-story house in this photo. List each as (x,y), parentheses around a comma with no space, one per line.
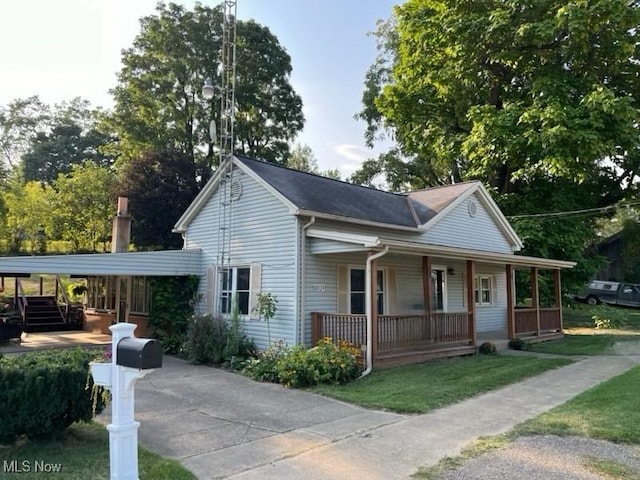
(432,271)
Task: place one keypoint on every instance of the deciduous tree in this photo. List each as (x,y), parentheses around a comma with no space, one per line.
(158,104)
(160,186)
(539,100)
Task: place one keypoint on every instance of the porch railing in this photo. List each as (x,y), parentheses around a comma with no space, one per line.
(526,321)
(395,332)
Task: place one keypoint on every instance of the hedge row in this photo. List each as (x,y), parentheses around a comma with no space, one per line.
(43,393)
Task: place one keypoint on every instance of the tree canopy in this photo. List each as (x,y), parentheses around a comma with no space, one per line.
(160,186)
(158,104)
(529,97)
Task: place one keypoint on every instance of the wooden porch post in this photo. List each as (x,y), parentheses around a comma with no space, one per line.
(374,308)
(535,302)
(426,298)
(471,300)
(15,292)
(315,328)
(558,294)
(511,323)
(41,285)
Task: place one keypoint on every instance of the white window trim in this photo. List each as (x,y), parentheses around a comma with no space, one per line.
(234,289)
(478,283)
(385,279)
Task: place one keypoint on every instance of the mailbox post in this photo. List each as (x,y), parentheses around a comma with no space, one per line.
(132,358)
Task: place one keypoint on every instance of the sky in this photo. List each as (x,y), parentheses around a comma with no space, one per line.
(67,48)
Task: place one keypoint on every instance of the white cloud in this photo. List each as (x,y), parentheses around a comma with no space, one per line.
(354,153)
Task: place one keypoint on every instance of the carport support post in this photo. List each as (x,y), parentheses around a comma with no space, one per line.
(123,429)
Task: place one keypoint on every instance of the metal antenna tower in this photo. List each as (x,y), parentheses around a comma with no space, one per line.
(226,147)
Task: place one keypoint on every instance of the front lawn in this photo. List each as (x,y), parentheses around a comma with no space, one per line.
(589,344)
(608,411)
(422,387)
(82,453)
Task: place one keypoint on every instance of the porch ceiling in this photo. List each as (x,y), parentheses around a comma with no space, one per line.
(421,249)
(161,263)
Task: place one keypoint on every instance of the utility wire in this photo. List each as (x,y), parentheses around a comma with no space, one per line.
(573,212)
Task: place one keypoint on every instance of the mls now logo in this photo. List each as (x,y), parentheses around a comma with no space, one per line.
(26,466)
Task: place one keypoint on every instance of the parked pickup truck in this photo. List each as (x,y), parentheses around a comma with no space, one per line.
(612,293)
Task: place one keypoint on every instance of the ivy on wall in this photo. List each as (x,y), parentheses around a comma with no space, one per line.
(172,304)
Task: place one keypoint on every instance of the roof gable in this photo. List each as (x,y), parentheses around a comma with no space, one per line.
(309,194)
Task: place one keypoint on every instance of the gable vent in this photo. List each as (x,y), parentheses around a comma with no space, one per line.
(236,190)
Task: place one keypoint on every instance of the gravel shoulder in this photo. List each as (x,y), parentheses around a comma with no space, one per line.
(548,457)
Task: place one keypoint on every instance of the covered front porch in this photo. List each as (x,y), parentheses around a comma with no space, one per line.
(459,299)
(117,287)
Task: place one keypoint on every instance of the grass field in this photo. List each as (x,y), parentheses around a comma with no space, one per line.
(422,387)
(82,453)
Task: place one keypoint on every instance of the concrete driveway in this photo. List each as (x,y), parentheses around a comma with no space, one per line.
(219,424)
(222,425)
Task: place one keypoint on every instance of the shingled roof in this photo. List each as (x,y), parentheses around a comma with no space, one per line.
(319,194)
(314,194)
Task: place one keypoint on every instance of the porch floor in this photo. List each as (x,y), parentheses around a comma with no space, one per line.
(45,341)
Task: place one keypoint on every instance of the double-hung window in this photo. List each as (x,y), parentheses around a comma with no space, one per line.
(235,285)
(357,291)
(483,290)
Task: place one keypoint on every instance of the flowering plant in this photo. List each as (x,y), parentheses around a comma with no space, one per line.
(104,356)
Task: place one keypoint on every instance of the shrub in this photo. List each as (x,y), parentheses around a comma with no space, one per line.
(212,340)
(518,344)
(606,317)
(326,363)
(43,393)
(264,366)
(206,339)
(487,348)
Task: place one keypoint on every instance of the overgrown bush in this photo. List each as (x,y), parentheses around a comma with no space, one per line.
(212,340)
(487,348)
(605,317)
(518,344)
(263,367)
(326,363)
(43,393)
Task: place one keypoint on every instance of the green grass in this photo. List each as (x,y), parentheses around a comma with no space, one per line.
(576,345)
(609,469)
(420,388)
(481,446)
(83,453)
(579,316)
(608,411)
(582,344)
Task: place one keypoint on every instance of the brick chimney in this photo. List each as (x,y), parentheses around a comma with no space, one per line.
(121,233)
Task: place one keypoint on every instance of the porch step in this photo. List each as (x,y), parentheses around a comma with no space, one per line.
(405,357)
(43,314)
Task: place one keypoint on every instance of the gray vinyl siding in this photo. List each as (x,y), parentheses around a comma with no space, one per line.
(264,232)
(162,263)
(459,229)
(493,317)
(454,230)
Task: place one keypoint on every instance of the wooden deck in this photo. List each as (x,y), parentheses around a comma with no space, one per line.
(407,338)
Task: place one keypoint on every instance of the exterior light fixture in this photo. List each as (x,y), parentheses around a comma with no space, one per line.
(207,89)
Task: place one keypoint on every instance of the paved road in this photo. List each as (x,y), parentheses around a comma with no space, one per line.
(222,425)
